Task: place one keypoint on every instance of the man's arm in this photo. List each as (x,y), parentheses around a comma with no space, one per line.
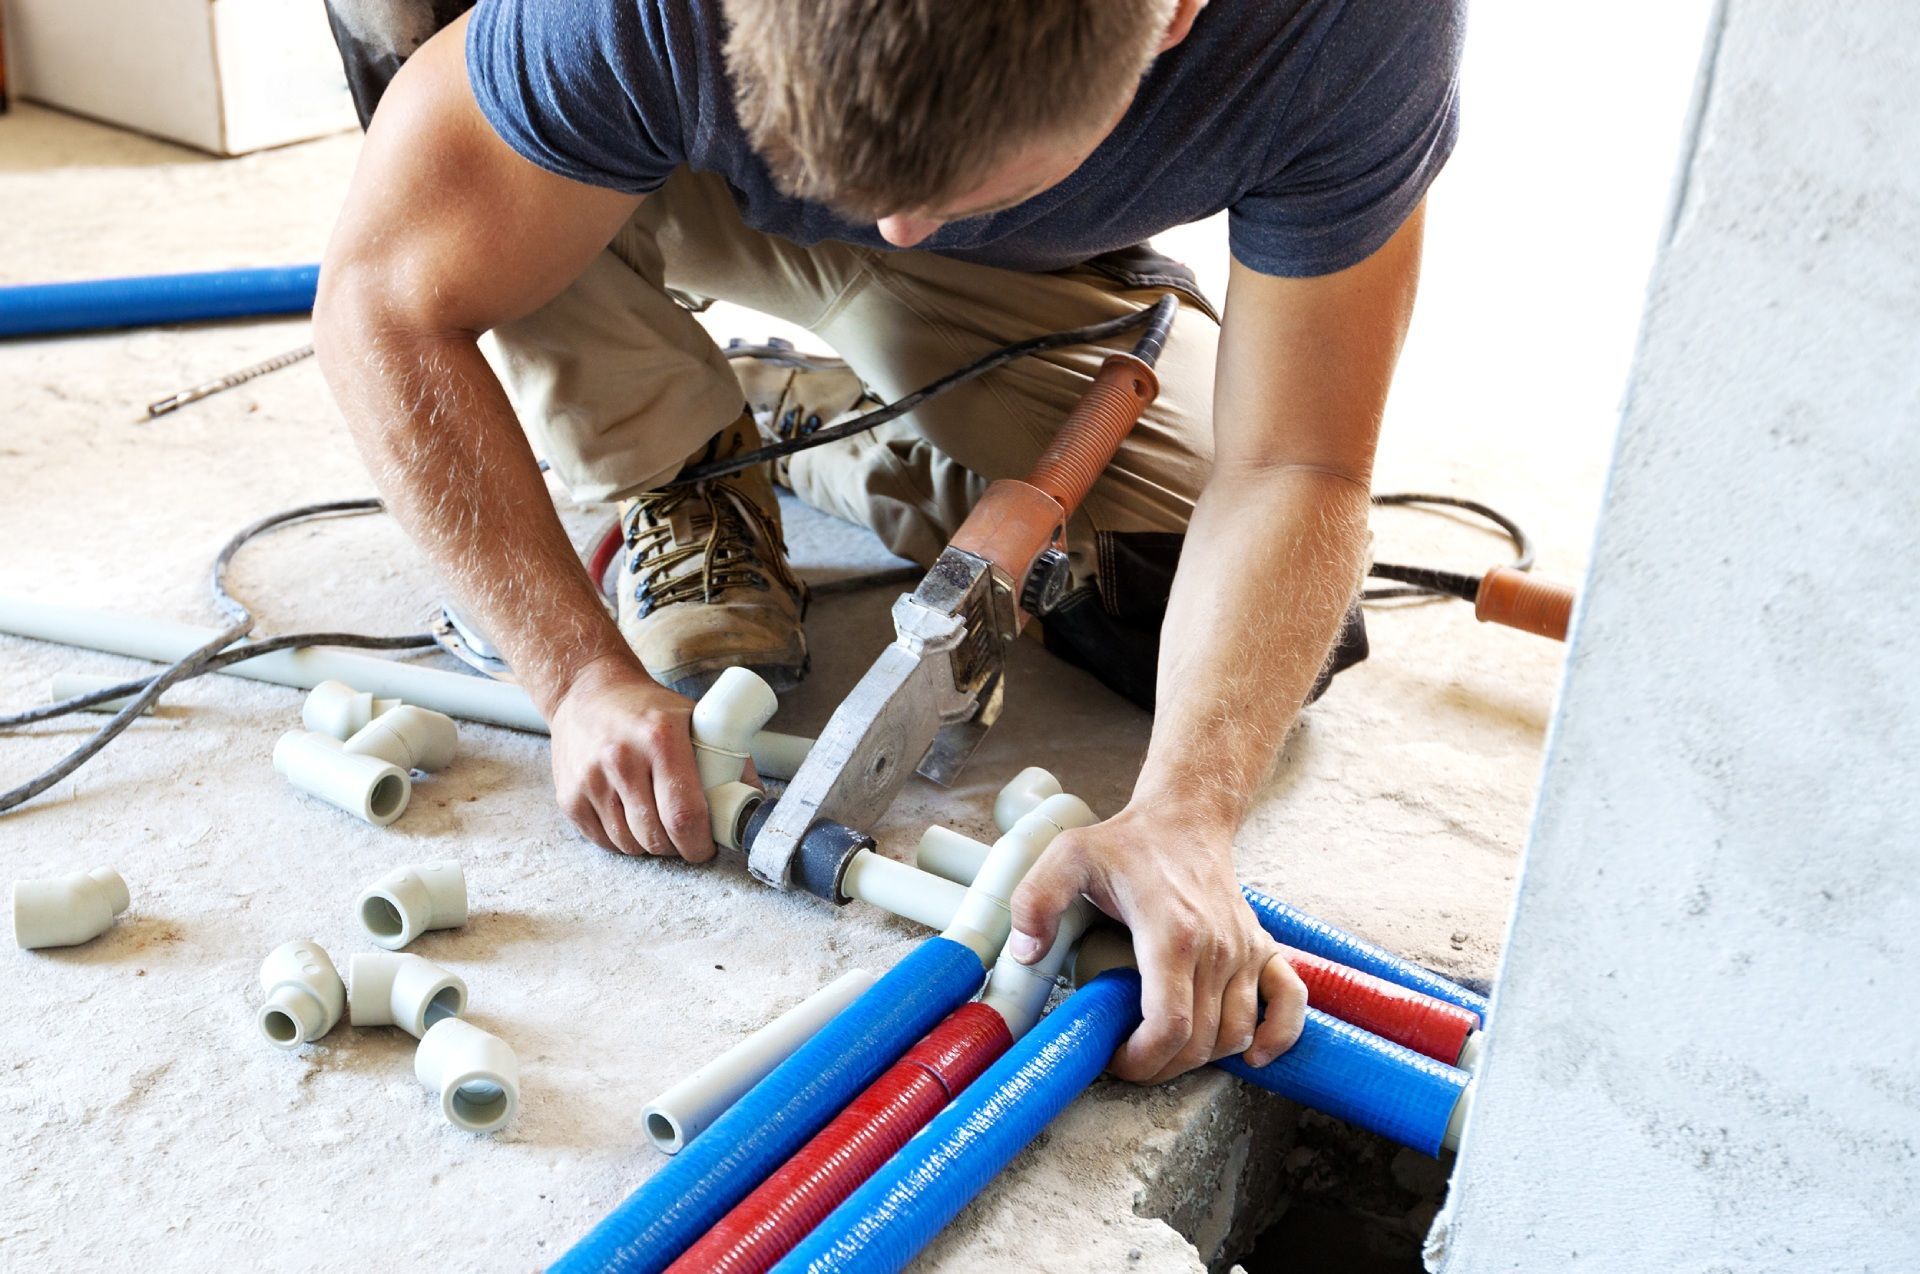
(446,233)
(1271,561)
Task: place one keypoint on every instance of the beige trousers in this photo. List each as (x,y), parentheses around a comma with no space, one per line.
(618,383)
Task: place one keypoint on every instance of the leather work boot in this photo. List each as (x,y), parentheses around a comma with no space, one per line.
(706,586)
(792,394)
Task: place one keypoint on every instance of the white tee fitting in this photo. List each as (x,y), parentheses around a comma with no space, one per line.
(337,710)
(71,685)
(364,786)
(304,995)
(407,738)
(476,1074)
(725,720)
(394,989)
(68,910)
(1018,992)
(728,808)
(408,901)
(779,756)
(685,1110)
(1023,794)
(985,917)
(903,890)
(950,855)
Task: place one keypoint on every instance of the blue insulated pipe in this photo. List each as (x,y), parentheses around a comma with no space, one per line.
(39,309)
(1316,937)
(698,1186)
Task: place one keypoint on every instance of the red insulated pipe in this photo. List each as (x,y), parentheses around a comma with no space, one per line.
(1408,1018)
(770,1222)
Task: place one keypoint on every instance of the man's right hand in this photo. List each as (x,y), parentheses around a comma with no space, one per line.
(623,763)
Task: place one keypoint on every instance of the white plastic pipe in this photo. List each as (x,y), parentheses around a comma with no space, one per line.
(407,737)
(684,1111)
(408,901)
(68,910)
(725,720)
(985,917)
(364,786)
(476,1074)
(387,988)
(1022,795)
(902,889)
(460,695)
(950,855)
(71,685)
(1018,992)
(336,709)
(304,994)
(779,756)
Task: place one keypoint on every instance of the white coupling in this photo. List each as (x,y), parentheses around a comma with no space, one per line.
(408,901)
(475,1074)
(729,806)
(71,685)
(337,710)
(725,720)
(1022,795)
(389,988)
(407,738)
(364,786)
(1019,992)
(68,910)
(985,917)
(304,994)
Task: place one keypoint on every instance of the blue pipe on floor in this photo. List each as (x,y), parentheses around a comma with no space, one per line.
(1316,937)
(698,1186)
(41,309)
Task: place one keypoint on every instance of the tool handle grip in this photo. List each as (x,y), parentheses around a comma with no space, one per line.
(1527,602)
(1100,422)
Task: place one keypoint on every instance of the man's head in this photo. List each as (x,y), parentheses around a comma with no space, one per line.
(914,113)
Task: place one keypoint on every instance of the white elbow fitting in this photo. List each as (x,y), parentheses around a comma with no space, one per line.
(949,854)
(393,989)
(476,1074)
(1018,992)
(407,738)
(725,720)
(408,901)
(1022,795)
(364,786)
(337,710)
(779,756)
(71,685)
(68,910)
(304,995)
(729,806)
(985,916)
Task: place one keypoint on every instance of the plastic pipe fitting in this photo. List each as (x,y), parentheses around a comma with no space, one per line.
(684,1111)
(364,786)
(1019,992)
(725,720)
(337,710)
(407,738)
(1022,795)
(71,685)
(394,989)
(985,917)
(304,994)
(408,901)
(475,1073)
(729,806)
(68,910)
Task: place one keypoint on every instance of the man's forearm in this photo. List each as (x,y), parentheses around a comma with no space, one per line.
(1268,572)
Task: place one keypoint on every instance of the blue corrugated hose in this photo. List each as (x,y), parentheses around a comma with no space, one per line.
(1317,937)
(38,309)
(761,1131)
(1336,1068)
(913,1196)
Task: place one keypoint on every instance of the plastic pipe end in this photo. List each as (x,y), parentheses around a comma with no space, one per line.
(474,1072)
(663,1130)
(292,1016)
(114,887)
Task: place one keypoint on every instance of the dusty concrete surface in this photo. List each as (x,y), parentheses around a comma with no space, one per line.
(140,1112)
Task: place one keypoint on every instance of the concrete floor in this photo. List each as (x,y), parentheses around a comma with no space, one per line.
(133,1088)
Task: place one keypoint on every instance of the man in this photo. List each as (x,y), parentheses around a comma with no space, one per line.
(917,182)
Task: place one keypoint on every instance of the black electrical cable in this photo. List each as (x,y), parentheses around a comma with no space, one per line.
(1424,581)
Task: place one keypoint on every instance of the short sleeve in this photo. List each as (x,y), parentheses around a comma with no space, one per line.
(1373,121)
(578,88)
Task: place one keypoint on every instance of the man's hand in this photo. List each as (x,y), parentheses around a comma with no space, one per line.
(1206,966)
(623,763)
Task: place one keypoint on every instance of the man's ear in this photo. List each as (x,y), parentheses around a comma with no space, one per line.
(1184,12)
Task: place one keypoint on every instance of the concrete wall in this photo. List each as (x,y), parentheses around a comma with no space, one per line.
(1705,1038)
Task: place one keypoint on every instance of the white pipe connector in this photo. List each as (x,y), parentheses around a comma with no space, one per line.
(1022,795)
(728,808)
(985,917)
(337,710)
(779,756)
(408,901)
(387,988)
(725,720)
(904,890)
(684,1111)
(364,786)
(68,910)
(71,685)
(476,1074)
(1019,992)
(304,995)
(407,738)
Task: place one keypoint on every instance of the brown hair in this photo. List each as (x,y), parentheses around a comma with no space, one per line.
(882,106)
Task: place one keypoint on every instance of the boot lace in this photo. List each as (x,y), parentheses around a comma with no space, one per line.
(727,559)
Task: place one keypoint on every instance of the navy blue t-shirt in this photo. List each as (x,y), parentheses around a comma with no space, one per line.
(1318,123)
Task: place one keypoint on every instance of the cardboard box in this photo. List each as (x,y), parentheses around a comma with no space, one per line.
(226,76)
